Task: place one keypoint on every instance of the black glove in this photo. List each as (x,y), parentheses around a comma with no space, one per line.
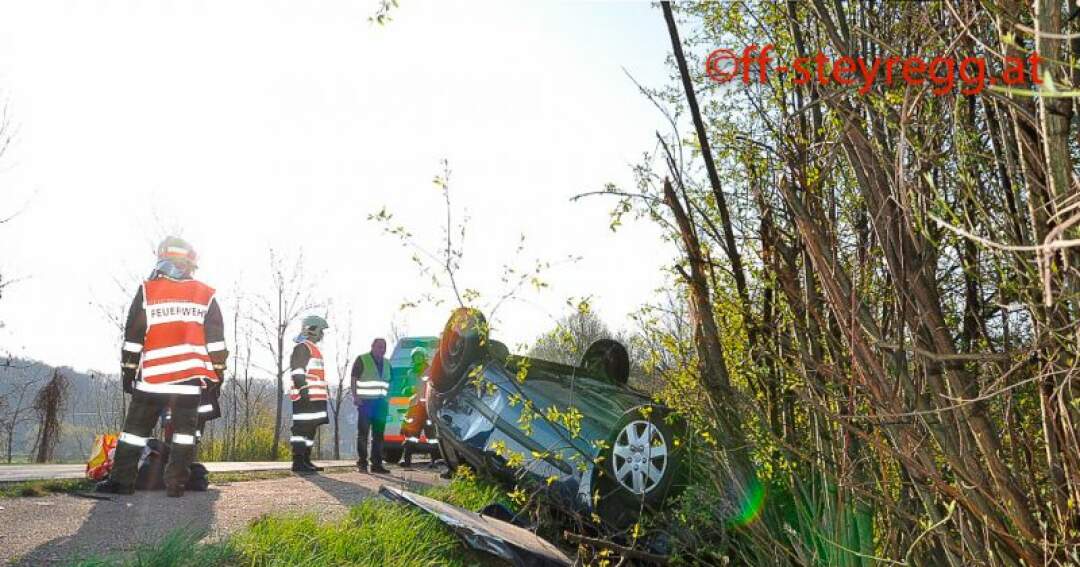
(299,382)
(214,389)
(128,377)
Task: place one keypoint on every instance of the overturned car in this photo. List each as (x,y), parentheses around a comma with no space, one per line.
(605,451)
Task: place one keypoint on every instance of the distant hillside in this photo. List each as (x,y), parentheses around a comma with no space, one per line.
(93,405)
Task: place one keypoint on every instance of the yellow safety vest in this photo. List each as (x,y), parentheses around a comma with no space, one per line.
(371,384)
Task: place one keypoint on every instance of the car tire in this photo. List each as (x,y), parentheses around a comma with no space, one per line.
(608,358)
(391,455)
(625,483)
(498,352)
(463,343)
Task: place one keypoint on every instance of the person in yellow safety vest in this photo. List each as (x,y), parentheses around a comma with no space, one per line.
(417,422)
(370,384)
(308,393)
(174,345)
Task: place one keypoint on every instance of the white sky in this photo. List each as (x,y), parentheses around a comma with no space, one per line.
(256,124)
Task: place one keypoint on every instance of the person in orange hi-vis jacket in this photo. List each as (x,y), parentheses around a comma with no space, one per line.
(174,348)
(308,392)
(417,422)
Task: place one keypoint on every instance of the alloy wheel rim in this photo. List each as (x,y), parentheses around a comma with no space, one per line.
(640,457)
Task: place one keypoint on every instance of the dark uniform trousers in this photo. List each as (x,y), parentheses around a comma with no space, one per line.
(142,416)
(208,410)
(370,417)
(413,447)
(304,425)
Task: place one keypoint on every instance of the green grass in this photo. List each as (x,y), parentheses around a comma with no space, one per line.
(467,491)
(230,477)
(375,532)
(180,549)
(44,487)
(62,486)
(47,487)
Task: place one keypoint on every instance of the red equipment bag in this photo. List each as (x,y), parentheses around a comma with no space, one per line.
(101,457)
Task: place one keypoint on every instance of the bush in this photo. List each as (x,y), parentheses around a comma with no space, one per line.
(250,444)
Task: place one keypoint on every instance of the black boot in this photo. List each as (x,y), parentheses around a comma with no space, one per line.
(112,487)
(361,466)
(307,461)
(379,469)
(299,466)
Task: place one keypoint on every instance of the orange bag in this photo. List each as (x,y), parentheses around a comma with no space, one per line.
(101,457)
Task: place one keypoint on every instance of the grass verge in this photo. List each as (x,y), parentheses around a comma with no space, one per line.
(62,486)
(375,532)
(179,549)
(44,487)
(231,477)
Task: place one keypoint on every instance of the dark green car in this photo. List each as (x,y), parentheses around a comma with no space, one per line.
(600,446)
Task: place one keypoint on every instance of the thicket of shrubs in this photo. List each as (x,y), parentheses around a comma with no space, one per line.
(246,444)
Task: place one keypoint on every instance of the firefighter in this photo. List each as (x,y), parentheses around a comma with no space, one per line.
(209,406)
(308,393)
(370,384)
(174,345)
(208,410)
(416,418)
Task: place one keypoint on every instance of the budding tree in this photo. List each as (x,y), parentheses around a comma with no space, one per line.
(290,297)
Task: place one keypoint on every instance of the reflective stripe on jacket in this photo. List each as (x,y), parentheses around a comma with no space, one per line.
(175,348)
(370,384)
(312,376)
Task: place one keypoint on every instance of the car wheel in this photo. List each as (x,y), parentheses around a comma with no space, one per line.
(639,469)
(608,358)
(391,455)
(498,351)
(463,343)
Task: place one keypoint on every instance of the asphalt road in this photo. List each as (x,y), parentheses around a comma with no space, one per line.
(54,530)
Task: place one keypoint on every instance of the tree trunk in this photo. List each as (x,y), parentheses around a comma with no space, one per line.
(280,397)
(337,438)
(730,247)
(713,368)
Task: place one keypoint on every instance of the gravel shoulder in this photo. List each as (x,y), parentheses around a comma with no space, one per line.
(54,530)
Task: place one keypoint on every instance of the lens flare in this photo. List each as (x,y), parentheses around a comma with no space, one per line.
(751,506)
